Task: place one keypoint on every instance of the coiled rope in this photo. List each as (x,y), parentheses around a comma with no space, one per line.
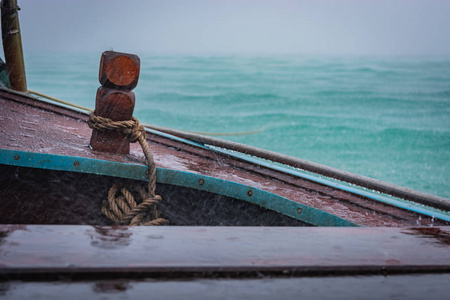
(121,206)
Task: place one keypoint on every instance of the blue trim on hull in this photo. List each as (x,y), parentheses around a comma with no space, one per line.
(253,195)
(400,203)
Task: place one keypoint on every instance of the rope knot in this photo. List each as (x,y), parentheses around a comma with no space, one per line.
(136,132)
(122,208)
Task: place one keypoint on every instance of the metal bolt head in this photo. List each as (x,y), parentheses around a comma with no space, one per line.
(299,210)
(201,182)
(249,193)
(16,157)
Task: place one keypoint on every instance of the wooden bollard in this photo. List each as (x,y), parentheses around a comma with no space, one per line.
(118,75)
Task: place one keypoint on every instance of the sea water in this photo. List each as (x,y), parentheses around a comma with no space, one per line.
(383,117)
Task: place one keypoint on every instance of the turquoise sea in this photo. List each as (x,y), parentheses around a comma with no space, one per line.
(383,117)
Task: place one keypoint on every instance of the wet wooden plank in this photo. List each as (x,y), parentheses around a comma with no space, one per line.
(412,287)
(68,249)
(30,125)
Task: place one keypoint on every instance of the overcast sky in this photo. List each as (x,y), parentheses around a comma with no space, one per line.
(375,27)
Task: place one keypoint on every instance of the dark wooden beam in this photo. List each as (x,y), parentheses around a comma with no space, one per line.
(187,251)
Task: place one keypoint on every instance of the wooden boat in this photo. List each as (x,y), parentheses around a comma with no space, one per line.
(271,222)
(45,145)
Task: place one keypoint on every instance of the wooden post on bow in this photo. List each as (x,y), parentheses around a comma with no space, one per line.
(118,75)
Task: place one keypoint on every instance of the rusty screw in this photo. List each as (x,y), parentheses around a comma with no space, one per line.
(299,210)
(76,163)
(201,182)
(16,157)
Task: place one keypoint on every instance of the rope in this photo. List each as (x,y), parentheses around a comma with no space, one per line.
(121,206)
(59,100)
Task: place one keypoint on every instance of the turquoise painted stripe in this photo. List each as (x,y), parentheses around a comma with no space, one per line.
(235,190)
(403,204)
